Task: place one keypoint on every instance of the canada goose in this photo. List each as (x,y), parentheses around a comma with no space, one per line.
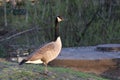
(48,52)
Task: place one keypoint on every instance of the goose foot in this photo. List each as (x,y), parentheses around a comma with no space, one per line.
(48,73)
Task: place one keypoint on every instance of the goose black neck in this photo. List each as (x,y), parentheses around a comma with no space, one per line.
(56,29)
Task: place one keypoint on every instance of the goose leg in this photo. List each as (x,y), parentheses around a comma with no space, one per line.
(48,73)
(46,69)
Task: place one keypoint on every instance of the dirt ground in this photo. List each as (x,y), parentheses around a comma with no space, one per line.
(101,69)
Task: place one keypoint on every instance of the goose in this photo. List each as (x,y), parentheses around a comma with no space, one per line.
(48,52)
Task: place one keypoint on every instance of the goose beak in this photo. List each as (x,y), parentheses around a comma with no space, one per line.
(62,19)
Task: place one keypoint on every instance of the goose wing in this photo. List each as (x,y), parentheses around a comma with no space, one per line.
(41,52)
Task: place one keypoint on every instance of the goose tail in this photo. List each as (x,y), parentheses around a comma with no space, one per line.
(22,62)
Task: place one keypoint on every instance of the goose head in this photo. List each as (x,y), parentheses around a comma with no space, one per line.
(59,19)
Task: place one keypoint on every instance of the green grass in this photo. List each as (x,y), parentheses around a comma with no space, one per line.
(12,71)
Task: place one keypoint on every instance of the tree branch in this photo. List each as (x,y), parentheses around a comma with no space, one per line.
(19,33)
(88,25)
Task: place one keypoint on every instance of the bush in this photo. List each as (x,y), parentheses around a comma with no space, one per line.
(2,52)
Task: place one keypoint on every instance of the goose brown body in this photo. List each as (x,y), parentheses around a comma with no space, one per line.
(46,53)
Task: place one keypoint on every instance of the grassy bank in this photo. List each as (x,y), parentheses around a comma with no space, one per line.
(12,71)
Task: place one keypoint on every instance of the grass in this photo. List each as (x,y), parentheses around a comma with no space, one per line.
(12,71)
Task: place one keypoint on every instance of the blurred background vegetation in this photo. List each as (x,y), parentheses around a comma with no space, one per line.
(30,23)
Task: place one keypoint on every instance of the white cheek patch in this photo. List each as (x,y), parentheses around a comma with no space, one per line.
(59,19)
